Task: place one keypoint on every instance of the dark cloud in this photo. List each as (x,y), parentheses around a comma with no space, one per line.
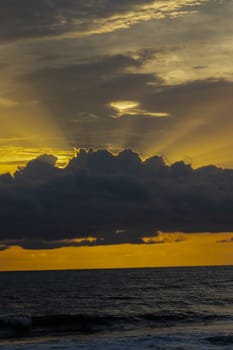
(115,199)
(184,97)
(29,19)
(161,238)
(3,65)
(66,91)
(41,169)
(3,247)
(78,98)
(45,18)
(106,78)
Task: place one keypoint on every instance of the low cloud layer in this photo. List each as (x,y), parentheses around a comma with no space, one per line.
(101,198)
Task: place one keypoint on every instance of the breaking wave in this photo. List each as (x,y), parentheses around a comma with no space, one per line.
(25,326)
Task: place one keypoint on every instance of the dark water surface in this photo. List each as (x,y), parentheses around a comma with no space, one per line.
(167,308)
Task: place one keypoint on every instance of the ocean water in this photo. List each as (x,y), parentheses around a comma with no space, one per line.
(167,308)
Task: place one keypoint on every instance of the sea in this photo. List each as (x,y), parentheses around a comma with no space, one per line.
(182,308)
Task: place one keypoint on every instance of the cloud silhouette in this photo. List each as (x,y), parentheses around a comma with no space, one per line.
(114,199)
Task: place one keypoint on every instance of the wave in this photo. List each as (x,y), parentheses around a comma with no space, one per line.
(221,340)
(49,325)
(19,322)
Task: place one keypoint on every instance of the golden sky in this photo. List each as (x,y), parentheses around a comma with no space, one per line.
(152,76)
(194,250)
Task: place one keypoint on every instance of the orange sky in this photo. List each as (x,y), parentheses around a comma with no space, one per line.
(194,250)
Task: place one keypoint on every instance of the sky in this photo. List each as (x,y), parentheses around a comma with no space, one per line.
(116,133)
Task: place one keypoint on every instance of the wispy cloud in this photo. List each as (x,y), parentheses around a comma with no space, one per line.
(156,10)
(7,103)
(76,19)
(132,108)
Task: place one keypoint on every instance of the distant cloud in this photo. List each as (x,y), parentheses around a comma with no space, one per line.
(161,238)
(228,240)
(101,198)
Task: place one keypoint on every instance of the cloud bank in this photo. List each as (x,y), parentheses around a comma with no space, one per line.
(102,199)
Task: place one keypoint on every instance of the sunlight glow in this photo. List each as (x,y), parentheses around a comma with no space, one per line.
(132,108)
(6,102)
(124,106)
